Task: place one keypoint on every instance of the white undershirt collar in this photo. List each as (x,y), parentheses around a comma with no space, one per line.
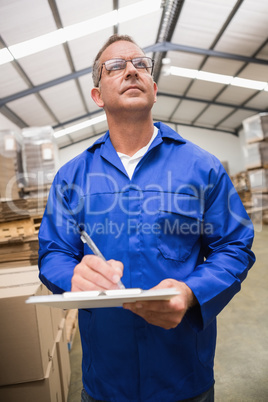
(130,162)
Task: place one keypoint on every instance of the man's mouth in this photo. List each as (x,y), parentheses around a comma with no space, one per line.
(132,87)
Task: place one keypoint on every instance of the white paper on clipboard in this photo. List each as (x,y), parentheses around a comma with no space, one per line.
(98,299)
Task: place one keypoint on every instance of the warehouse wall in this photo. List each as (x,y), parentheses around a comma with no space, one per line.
(224,146)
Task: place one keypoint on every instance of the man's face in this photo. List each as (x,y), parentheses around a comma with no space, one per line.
(129,89)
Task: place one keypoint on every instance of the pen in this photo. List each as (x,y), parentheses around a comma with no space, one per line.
(87,239)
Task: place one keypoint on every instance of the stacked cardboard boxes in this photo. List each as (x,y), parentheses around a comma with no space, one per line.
(34,361)
(28,162)
(242,186)
(256,152)
(40,159)
(19,225)
(10,164)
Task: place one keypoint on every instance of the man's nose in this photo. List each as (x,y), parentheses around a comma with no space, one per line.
(131,70)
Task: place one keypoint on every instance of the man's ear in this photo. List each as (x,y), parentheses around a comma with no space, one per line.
(96,96)
(155,91)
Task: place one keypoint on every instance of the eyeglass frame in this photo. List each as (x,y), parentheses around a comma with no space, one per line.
(131,60)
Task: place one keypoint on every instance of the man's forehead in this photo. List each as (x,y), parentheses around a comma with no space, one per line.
(121,49)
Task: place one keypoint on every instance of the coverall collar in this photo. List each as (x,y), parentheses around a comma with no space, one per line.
(109,153)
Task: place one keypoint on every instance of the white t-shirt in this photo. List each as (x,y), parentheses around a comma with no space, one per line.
(130,162)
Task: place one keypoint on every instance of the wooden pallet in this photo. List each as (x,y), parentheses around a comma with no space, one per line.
(18,252)
(18,209)
(20,228)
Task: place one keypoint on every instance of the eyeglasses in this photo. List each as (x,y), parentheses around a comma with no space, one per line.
(145,63)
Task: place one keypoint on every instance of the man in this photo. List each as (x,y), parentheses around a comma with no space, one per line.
(165,214)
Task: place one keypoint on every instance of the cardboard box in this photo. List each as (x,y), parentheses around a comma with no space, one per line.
(258,180)
(256,155)
(10,164)
(47,389)
(40,156)
(256,128)
(57,319)
(26,336)
(64,360)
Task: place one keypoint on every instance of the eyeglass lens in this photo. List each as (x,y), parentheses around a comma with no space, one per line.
(120,64)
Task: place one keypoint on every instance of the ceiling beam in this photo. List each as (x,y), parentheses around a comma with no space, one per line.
(13,117)
(262,46)
(157,47)
(28,82)
(177,123)
(164,94)
(167,46)
(212,46)
(74,120)
(115,7)
(58,22)
(210,102)
(45,85)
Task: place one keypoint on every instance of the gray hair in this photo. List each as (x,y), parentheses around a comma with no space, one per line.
(110,41)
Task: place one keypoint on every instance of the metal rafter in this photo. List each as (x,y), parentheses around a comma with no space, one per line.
(170,16)
(176,123)
(58,22)
(13,116)
(227,86)
(115,6)
(10,115)
(214,43)
(210,102)
(156,47)
(45,85)
(168,46)
(251,96)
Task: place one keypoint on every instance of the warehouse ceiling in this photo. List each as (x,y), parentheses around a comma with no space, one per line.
(211,60)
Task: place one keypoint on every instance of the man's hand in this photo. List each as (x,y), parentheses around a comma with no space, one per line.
(165,313)
(93,273)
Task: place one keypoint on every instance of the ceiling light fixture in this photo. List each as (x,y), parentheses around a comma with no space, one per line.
(80,126)
(79,30)
(217,78)
(5,56)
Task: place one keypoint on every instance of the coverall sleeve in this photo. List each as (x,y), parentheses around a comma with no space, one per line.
(227,249)
(60,246)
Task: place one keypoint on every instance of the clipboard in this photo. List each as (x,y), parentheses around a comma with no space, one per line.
(100,299)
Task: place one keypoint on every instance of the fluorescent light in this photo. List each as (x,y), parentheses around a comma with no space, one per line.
(5,56)
(79,30)
(94,25)
(38,44)
(80,126)
(166,61)
(183,72)
(138,10)
(251,84)
(212,77)
(218,78)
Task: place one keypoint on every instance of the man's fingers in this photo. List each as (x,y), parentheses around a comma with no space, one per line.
(111,270)
(165,320)
(94,273)
(158,306)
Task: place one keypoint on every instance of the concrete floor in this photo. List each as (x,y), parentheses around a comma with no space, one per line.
(241,364)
